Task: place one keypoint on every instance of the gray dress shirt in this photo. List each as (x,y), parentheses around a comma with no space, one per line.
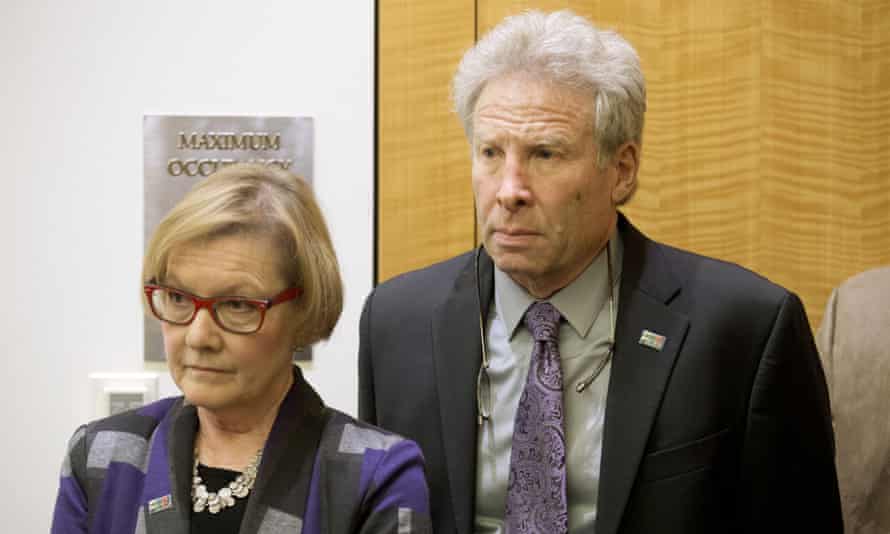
(583,343)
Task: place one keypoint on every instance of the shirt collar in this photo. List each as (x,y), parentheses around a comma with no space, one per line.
(579,302)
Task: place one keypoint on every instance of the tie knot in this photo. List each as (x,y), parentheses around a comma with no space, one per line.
(542,320)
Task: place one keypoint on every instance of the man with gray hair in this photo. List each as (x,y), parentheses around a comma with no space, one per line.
(572,375)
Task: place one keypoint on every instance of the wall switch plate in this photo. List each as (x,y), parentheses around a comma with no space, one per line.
(113,393)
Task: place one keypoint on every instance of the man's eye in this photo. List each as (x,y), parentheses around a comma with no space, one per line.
(545,153)
(488,152)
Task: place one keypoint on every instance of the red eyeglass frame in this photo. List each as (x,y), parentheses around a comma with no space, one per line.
(203,302)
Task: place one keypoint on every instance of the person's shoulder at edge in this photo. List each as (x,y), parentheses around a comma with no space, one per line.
(868,282)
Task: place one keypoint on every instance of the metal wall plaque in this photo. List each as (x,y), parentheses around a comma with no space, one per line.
(179,151)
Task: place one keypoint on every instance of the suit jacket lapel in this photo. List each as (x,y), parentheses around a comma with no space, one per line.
(288,459)
(169,473)
(639,374)
(283,478)
(457,356)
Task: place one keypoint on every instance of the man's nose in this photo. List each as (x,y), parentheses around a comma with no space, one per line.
(514,192)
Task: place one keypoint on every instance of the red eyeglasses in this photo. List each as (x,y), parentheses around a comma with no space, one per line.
(238,315)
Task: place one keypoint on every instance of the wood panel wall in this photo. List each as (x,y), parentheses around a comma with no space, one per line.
(424,207)
(767,140)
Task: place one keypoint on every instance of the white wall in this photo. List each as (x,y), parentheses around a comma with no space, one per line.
(75,80)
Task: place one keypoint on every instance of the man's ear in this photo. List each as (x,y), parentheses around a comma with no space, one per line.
(626,163)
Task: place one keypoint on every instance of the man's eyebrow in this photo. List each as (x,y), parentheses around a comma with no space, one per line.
(482,136)
(553,140)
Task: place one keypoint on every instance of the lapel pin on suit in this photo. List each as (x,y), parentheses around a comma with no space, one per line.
(652,340)
(160,504)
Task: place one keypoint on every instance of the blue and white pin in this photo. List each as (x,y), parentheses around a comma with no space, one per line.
(651,339)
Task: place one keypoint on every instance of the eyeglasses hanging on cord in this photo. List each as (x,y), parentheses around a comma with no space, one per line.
(483,381)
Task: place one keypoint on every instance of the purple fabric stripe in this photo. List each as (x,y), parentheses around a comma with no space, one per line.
(370,462)
(157,482)
(399,478)
(118,506)
(70,515)
(157,409)
(311,523)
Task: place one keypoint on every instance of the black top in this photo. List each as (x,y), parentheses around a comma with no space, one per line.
(228,520)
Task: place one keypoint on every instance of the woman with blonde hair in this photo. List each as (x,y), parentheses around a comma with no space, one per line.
(241,273)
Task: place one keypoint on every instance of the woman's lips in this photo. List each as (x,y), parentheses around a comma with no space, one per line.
(204,369)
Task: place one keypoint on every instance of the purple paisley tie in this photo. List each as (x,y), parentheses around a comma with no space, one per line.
(536,490)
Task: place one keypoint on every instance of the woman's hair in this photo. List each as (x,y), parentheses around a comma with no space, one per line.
(565,49)
(258,200)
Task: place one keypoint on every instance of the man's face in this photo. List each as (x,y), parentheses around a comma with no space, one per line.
(544,208)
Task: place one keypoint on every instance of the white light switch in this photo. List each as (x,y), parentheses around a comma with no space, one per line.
(118,392)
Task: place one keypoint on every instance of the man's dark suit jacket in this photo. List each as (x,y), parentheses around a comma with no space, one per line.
(726,429)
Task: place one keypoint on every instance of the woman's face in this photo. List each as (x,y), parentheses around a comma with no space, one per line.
(215,369)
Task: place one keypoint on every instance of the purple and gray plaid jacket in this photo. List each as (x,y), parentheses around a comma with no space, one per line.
(322,472)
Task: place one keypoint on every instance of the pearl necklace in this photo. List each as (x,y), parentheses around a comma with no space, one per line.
(225,497)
